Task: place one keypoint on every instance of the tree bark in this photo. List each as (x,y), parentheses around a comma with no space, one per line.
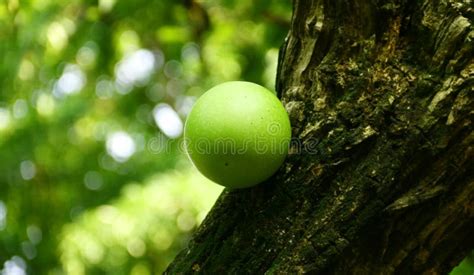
(380,180)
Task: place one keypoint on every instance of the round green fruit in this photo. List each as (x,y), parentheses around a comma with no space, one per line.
(237,134)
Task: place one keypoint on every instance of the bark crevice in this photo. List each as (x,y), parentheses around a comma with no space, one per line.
(380,96)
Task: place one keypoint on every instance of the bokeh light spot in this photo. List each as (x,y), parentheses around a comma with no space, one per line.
(185,104)
(20,108)
(136,247)
(93,180)
(107,214)
(128,41)
(140,269)
(45,105)
(104,88)
(87,55)
(15,266)
(29,250)
(3,215)
(168,120)
(71,81)
(27,170)
(135,69)
(57,36)
(162,239)
(190,52)
(120,146)
(92,250)
(5,118)
(156,92)
(173,69)
(34,233)
(106,5)
(186,221)
(26,70)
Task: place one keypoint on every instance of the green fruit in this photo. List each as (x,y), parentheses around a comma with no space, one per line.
(237,134)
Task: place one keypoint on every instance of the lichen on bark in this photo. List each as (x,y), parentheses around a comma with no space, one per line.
(381,92)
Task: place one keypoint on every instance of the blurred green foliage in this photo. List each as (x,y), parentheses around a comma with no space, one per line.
(93,96)
(148,221)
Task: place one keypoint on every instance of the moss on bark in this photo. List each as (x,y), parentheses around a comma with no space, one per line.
(380,97)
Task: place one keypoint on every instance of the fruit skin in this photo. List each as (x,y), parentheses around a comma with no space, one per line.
(237,134)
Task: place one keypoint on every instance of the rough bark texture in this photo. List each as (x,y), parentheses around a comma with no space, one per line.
(380,95)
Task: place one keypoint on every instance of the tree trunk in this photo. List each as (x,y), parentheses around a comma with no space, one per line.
(380,179)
